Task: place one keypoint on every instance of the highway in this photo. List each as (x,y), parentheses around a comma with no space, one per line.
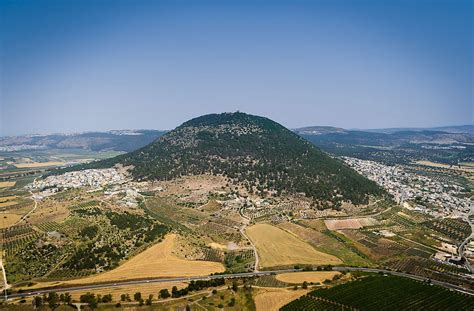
(228,276)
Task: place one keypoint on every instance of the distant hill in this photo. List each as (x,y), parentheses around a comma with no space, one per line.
(400,146)
(318,130)
(469,129)
(254,151)
(123,140)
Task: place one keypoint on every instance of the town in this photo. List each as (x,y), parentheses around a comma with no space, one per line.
(94,178)
(414,191)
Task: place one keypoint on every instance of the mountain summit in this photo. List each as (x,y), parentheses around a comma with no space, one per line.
(255,151)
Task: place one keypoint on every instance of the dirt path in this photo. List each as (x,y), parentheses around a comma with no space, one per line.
(246,221)
(5,282)
(31,211)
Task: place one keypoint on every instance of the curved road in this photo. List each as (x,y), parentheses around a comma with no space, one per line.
(228,276)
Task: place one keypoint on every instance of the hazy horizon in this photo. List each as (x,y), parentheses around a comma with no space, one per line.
(83,66)
(169,129)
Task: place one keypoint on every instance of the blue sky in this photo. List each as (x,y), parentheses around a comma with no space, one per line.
(69,66)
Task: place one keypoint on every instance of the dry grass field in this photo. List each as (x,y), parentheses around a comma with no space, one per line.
(275,298)
(7,198)
(312,276)
(38,164)
(5,184)
(8,203)
(277,247)
(156,261)
(8,219)
(353,223)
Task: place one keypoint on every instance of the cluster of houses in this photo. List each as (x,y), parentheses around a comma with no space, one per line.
(420,190)
(94,178)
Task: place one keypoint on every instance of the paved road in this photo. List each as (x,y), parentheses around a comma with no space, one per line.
(227,276)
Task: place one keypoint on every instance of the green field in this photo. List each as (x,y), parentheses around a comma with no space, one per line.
(379,292)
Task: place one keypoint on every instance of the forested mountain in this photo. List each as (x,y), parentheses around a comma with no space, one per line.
(255,151)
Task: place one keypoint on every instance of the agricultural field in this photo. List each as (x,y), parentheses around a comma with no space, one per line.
(383,293)
(156,261)
(312,276)
(8,219)
(39,164)
(277,248)
(464,166)
(7,184)
(77,239)
(353,223)
(272,299)
(239,260)
(316,234)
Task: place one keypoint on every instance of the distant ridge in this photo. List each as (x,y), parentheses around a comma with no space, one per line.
(455,129)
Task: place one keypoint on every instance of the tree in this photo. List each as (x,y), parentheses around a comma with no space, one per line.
(107,298)
(188,308)
(164,293)
(174,292)
(305,285)
(37,302)
(232,302)
(53,300)
(149,300)
(140,302)
(67,298)
(90,299)
(234,286)
(137,296)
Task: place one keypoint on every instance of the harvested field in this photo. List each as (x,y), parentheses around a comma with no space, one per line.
(324,242)
(353,223)
(8,203)
(5,184)
(38,164)
(312,276)
(275,298)
(277,247)
(8,198)
(8,219)
(156,261)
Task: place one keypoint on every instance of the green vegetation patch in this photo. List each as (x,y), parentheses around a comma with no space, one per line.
(384,293)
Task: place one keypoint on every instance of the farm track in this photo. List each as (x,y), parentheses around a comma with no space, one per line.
(242,231)
(236,275)
(31,211)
